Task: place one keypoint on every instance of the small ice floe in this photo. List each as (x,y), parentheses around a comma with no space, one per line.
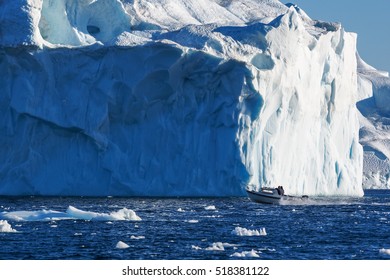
(53,226)
(78,234)
(121,245)
(246,254)
(6,227)
(137,237)
(196,247)
(219,246)
(384,251)
(210,207)
(180,210)
(192,221)
(120,215)
(249,232)
(71,213)
(216,246)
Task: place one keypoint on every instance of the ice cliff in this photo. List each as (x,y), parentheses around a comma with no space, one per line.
(374,106)
(175,98)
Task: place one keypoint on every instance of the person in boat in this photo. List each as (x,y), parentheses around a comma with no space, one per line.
(280,190)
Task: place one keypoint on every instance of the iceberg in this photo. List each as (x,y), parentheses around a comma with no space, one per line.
(374,115)
(175,98)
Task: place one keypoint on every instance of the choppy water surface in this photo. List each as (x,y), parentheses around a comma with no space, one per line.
(194,228)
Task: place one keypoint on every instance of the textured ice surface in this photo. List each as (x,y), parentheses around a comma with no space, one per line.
(71,213)
(175,98)
(249,232)
(374,106)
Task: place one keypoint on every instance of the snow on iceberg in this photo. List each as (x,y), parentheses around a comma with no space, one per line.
(71,213)
(175,98)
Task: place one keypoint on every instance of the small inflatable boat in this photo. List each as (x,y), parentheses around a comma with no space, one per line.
(271,195)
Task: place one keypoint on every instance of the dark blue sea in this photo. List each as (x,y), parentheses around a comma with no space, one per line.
(195,228)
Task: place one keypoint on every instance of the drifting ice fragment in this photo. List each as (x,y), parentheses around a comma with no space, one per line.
(121,245)
(6,227)
(248,232)
(246,254)
(384,251)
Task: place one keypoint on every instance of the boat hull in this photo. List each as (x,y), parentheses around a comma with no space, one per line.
(264,197)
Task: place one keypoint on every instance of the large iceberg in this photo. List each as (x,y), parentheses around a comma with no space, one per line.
(175,98)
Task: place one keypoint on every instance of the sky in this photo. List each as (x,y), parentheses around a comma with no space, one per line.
(369,19)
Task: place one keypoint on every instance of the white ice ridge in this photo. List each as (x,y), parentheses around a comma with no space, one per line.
(175,98)
(6,227)
(249,232)
(71,213)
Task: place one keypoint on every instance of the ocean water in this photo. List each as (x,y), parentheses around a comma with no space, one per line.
(195,228)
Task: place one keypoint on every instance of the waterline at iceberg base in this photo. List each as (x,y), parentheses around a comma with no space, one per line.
(197,110)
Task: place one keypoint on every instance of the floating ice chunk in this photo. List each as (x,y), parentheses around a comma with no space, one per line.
(219,246)
(210,207)
(40,215)
(384,251)
(216,246)
(192,221)
(121,245)
(246,254)
(194,247)
(120,215)
(137,237)
(71,213)
(248,232)
(6,227)
(180,210)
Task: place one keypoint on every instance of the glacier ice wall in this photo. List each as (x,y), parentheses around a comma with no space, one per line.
(374,89)
(164,98)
